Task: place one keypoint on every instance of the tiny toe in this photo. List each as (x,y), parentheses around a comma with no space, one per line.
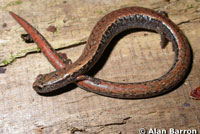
(163,13)
(62,55)
(64,58)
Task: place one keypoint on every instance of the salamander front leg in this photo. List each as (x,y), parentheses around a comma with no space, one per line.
(65,59)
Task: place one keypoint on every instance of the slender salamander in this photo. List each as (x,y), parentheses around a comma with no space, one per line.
(103,32)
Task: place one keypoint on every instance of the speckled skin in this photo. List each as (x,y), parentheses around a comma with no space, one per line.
(104,31)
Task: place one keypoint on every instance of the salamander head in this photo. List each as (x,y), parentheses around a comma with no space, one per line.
(50,82)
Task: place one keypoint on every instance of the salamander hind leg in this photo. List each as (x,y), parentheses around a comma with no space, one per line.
(164,40)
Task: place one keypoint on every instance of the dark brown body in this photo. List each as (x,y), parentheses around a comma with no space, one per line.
(104,31)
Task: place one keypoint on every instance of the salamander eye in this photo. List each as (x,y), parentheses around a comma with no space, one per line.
(40,77)
(38,85)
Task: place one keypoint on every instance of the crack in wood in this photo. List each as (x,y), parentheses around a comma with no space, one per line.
(188,21)
(124,121)
(85,97)
(74,130)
